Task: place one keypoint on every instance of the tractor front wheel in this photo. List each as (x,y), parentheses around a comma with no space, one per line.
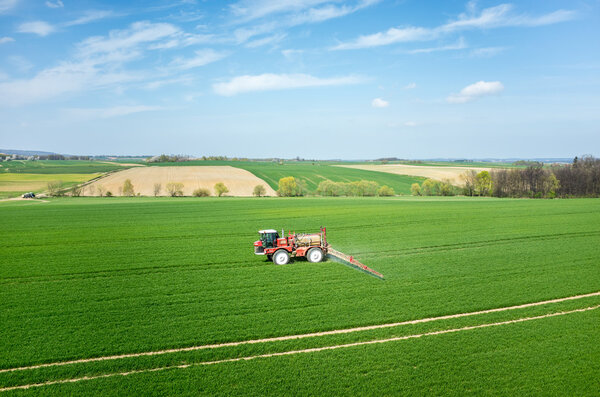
(281,257)
(314,255)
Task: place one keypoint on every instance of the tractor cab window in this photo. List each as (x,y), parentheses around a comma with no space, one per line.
(269,239)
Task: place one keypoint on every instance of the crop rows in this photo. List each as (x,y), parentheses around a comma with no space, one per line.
(99,277)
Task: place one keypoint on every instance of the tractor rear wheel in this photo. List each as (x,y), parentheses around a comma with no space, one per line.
(314,255)
(281,257)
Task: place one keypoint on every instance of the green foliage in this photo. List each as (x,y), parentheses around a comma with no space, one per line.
(201,192)
(415,189)
(259,190)
(109,194)
(385,191)
(221,189)
(288,187)
(430,187)
(128,188)
(483,184)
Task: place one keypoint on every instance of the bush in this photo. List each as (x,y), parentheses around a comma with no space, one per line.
(201,192)
(175,189)
(221,189)
(385,191)
(415,189)
(55,188)
(288,187)
(446,188)
(259,190)
(430,187)
(109,194)
(128,188)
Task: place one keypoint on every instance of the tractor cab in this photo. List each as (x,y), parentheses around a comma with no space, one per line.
(268,239)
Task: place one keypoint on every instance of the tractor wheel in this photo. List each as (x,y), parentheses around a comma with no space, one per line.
(314,255)
(281,257)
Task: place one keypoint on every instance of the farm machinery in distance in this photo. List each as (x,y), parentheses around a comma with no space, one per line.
(312,246)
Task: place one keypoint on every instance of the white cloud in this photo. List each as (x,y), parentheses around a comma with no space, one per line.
(379,103)
(270,82)
(289,13)
(139,33)
(90,16)
(203,57)
(290,53)
(4,40)
(459,45)
(410,86)
(410,124)
(105,113)
(486,52)
(477,90)
(6,5)
(266,40)
(40,28)
(67,78)
(248,10)
(392,35)
(493,17)
(56,4)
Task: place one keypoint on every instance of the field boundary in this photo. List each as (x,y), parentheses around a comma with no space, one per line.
(298,336)
(303,351)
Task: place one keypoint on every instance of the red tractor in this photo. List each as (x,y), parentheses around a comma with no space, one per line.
(279,249)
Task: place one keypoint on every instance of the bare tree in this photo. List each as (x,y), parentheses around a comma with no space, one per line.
(55,188)
(101,190)
(157,189)
(175,189)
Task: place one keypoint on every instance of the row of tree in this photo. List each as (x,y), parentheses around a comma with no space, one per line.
(432,187)
(292,187)
(578,179)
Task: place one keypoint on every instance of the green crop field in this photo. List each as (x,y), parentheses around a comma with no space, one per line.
(59,166)
(85,278)
(312,173)
(15,184)
(20,176)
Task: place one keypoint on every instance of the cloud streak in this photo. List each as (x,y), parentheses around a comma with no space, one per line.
(489,18)
(272,82)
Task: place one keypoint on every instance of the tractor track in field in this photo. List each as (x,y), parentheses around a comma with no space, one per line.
(480,244)
(300,336)
(302,351)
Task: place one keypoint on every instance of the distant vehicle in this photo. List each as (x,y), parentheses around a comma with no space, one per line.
(29,195)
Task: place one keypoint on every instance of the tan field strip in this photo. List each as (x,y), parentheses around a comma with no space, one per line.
(438,173)
(301,336)
(239,182)
(303,351)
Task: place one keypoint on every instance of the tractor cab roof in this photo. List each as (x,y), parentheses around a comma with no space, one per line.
(267,231)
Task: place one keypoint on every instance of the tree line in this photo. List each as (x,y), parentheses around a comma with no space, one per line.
(292,187)
(581,178)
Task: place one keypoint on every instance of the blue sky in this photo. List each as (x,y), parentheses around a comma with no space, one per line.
(311,78)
